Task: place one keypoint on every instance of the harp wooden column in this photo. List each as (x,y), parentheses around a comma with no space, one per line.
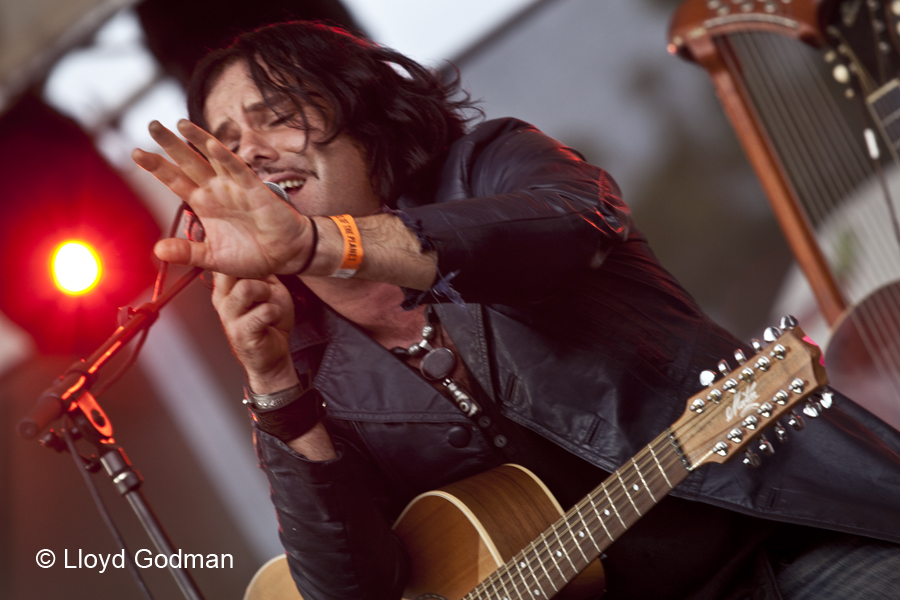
(695,35)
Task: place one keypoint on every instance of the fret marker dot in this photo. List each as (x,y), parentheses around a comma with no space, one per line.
(606,512)
(580,534)
(636,488)
(558,553)
(537,593)
(521,564)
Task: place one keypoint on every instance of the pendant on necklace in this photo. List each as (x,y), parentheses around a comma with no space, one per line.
(438,364)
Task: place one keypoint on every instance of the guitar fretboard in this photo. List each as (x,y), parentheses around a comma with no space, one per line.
(566,548)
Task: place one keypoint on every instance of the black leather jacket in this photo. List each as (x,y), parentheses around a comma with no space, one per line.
(597,360)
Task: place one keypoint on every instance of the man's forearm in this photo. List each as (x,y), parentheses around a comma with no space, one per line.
(392,253)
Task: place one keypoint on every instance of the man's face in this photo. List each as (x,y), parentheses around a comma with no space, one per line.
(320,180)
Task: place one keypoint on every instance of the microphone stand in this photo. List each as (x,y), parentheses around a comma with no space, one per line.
(70,395)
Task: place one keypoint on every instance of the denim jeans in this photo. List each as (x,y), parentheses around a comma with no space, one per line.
(843,567)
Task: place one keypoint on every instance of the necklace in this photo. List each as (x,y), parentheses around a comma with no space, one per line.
(438,363)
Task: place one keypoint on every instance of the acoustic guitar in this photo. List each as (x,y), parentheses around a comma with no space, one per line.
(501,534)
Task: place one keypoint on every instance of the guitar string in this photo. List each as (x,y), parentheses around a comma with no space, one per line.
(523,560)
(518,561)
(655,476)
(670,456)
(531,554)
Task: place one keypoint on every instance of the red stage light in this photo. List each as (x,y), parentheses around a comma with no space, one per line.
(76,268)
(59,189)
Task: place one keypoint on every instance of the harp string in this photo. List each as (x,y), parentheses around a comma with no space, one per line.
(828,167)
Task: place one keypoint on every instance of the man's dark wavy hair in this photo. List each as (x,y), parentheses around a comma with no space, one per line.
(404,115)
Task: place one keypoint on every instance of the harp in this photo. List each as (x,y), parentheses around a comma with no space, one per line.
(811,88)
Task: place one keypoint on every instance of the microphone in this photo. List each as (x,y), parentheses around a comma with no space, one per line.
(278,191)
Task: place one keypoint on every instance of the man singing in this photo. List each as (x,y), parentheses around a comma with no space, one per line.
(435,301)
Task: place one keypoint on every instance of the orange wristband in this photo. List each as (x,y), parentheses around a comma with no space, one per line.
(353,252)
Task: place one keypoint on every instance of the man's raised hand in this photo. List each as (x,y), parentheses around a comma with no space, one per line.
(250,232)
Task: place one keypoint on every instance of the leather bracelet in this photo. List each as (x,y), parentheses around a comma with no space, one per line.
(315,245)
(286,414)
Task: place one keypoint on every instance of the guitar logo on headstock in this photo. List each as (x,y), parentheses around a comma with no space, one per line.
(743,404)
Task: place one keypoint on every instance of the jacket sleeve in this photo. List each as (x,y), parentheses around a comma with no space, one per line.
(339,545)
(515,214)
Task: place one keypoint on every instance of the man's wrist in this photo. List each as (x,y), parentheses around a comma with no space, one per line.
(287,413)
(273,380)
(329,248)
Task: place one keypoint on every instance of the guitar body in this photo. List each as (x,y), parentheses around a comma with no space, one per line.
(458,535)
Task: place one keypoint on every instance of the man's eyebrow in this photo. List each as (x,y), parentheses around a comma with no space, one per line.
(256,107)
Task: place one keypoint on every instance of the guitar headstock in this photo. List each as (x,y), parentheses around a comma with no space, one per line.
(731,413)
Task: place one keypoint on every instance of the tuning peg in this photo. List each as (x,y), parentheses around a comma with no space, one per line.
(756,345)
(771,334)
(796,422)
(707,378)
(812,409)
(751,459)
(826,399)
(765,446)
(763,363)
(789,322)
(723,367)
(739,356)
(780,433)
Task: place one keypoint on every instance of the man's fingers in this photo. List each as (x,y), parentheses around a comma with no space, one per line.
(222,286)
(192,163)
(183,252)
(168,174)
(234,166)
(223,161)
(215,151)
(263,316)
(240,298)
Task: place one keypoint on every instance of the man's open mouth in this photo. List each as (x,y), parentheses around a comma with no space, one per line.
(291,185)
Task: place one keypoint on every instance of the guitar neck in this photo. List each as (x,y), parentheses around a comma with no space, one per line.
(566,548)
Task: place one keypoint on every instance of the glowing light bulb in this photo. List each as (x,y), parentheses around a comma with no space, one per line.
(76,268)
